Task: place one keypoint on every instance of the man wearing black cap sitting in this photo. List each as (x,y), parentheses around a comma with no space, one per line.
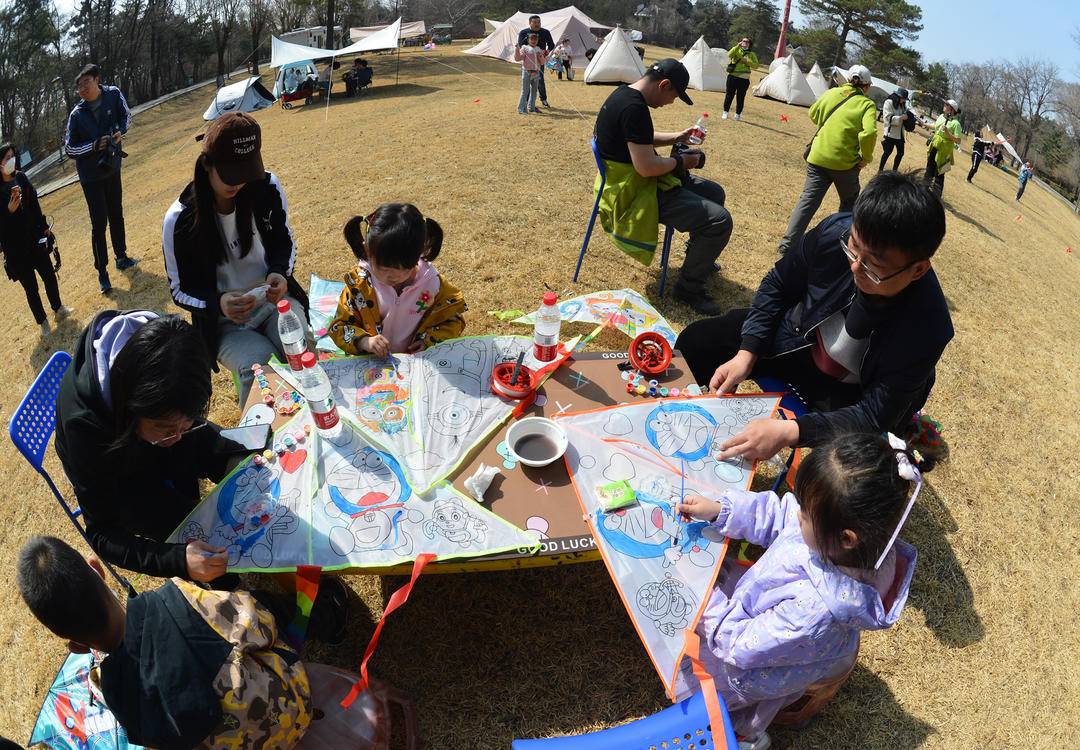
(644,189)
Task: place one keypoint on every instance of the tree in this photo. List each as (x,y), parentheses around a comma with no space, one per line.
(861,23)
(257,15)
(1028,93)
(760,21)
(934,85)
(712,19)
(886,59)
(817,43)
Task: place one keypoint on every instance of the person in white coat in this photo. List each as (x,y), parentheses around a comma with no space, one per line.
(894,114)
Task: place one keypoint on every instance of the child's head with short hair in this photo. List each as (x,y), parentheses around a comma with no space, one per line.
(851,498)
(65,594)
(533,39)
(398,238)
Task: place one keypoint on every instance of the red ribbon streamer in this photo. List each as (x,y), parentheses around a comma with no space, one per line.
(398,598)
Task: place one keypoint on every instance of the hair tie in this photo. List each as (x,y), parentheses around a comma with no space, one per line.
(911,473)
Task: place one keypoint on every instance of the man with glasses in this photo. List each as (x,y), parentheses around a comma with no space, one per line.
(95,131)
(853,318)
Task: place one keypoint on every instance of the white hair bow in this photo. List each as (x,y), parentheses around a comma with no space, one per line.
(910,472)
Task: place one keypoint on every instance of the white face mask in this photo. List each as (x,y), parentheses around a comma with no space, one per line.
(9,166)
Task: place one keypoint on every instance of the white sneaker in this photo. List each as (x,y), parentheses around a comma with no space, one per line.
(761,742)
(62,312)
(45,330)
(738,116)
(723,116)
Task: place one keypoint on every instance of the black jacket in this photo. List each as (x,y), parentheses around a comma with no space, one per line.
(190,265)
(84,130)
(813,281)
(160,682)
(20,231)
(135,496)
(545,42)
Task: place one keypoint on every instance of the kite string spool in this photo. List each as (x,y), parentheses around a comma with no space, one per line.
(501,376)
(650,353)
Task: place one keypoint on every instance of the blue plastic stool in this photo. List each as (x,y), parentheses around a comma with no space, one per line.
(669,232)
(682,725)
(32,426)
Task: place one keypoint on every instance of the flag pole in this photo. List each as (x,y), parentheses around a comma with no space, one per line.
(781,43)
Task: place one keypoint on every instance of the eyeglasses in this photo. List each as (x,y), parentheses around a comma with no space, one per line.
(866,269)
(188,431)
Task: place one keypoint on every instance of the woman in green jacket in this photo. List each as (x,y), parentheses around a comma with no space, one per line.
(742,61)
(941,147)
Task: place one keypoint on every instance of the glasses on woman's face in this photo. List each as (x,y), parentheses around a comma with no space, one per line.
(178,435)
(866,270)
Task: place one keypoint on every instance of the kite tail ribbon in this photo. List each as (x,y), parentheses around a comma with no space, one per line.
(307,588)
(398,598)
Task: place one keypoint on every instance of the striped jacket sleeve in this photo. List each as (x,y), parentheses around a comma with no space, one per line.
(123,117)
(181,296)
(74,144)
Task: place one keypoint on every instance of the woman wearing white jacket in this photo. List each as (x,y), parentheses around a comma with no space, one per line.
(894,114)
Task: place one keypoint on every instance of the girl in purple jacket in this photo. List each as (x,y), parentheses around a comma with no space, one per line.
(833,568)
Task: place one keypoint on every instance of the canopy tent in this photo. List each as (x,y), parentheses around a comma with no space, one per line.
(819,84)
(880,89)
(708,70)
(565,23)
(243,96)
(284,53)
(616,61)
(787,84)
(490,26)
(409,29)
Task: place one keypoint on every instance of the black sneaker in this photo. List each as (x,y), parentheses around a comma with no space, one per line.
(700,304)
(544,102)
(103,282)
(123,264)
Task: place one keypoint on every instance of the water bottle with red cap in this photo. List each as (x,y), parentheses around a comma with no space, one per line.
(546,329)
(292,333)
(699,131)
(318,392)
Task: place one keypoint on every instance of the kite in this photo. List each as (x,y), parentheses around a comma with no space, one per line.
(623,309)
(338,503)
(71,718)
(651,454)
(323,296)
(428,409)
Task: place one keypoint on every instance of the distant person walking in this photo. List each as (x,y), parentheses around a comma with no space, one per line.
(564,54)
(545,43)
(741,61)
(896,118)
(25,239)
(94,138)
(940,151)
(844,143)
(1026,172)
(532,59)
(979,151)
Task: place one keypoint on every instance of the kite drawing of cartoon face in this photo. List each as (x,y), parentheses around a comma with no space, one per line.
(651,530)
(668,603)
(450,520)
(680,430)
(253,510)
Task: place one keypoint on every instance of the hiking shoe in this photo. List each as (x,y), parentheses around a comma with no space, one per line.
(534,111)
(737,117)
(544,102)
(723,116)
(103,282)
(62,312)
(123,264)
(701,305)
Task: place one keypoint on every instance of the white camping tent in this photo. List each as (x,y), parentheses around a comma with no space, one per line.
(880,89)
(283,53)
(708,71)
(490,26)
(787,84)
(409,29)
(616,61)
(818,83)
(565,23)
(243,96)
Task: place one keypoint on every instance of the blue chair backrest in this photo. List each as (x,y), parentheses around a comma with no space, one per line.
(33,422)
(598,157)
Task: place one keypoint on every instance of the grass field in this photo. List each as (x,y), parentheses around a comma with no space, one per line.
(988,651)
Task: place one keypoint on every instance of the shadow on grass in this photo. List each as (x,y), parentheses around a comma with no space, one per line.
(967,219)
(774,130)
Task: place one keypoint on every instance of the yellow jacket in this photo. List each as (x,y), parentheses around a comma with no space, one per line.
(849,135)
(358,314)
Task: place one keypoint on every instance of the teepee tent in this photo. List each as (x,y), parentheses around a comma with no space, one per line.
(818,83)
(243,96)
(565,23)
(616,61)
(787,84)
(490,26)
(708,72)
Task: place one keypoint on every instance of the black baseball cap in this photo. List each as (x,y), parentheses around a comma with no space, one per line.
(671,69)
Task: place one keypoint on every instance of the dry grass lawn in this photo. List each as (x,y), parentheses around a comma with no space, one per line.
(988,652)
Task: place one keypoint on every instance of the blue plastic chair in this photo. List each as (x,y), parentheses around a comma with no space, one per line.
(32,426)
(681,726)
(668,233)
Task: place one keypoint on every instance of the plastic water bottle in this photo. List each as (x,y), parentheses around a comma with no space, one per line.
(546,330)
(292,333)
(700,130)
(318,392)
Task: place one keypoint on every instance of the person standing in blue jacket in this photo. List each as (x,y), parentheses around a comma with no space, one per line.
(94,139)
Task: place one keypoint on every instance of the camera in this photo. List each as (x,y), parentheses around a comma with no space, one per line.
(678,149)
(112,148)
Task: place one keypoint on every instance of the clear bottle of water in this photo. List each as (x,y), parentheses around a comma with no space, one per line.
(318,392)
(546,329)
(293,334)
(700,129)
